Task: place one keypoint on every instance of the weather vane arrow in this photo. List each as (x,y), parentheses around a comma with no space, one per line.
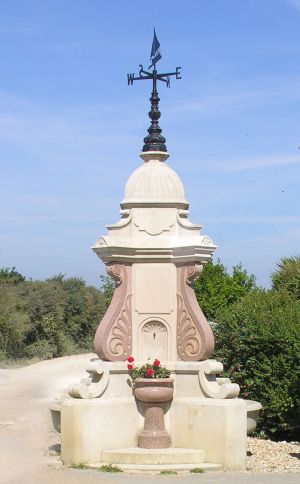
(154,141)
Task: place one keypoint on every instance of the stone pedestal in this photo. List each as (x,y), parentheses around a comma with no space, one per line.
(95,428)
(155,394)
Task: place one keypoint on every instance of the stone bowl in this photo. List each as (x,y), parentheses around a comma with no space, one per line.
(153,390)
(55,411)
(253,409)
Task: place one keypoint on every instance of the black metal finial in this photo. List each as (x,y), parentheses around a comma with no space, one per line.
(154,141)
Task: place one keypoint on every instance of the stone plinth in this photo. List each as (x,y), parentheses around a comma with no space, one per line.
(172,455)
(214,424)
(158,460)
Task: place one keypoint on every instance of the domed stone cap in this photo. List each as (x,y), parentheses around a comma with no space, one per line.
(154,183)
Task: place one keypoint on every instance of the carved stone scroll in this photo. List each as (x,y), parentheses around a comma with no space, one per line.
(195,339)
(95,385)
(113,338)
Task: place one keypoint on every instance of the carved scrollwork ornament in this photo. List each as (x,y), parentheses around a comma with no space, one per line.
(195,340)
(113,338)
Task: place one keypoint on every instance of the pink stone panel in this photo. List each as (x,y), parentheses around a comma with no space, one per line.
(195,339)
(113,338)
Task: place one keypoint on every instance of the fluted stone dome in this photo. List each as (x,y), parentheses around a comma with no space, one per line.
(154,183)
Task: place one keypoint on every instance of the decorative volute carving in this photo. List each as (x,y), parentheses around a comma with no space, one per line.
(113,338)
(95,385)
(195,339)
(214,387)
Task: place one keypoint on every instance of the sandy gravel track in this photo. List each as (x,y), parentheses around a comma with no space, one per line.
(25,427)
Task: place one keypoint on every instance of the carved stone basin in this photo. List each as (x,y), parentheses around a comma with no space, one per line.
(154,393)
(253,409)
(154,389)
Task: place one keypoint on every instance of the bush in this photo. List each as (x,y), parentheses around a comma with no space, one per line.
(215,289)
(46,319)
(13,323)
(287,276)
(258,340)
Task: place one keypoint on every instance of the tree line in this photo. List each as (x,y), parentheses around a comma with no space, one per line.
(46,319)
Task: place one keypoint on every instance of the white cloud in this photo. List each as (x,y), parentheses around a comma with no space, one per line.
(256,163)
(69,134)
(295,3)
(241,98)
(247,164)
(252,220)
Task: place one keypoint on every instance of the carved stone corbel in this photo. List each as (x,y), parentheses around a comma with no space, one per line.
(195,339)
(214,387)
(113,338)
(95,385)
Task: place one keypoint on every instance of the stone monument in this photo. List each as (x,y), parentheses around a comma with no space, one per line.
(153,253)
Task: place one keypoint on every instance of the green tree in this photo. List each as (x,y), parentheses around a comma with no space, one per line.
(10,276)
(258,340)
(45,319)
(215,289)
(13,324)
(62,312)
(287,275)
(13,321)
(108,287)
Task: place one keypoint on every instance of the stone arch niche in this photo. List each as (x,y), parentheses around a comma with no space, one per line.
(154,340)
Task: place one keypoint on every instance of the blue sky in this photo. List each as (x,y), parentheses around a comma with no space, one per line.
(71,129)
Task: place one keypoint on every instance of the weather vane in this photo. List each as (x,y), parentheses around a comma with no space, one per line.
(154,141)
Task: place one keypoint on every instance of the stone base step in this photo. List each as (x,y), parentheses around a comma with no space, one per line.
(157,468)
(169,456)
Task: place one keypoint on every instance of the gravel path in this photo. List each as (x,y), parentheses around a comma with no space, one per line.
(27,441)
(268,456)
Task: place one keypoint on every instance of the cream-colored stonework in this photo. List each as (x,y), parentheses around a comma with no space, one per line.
(90,426)
(216,426)
(153,253)
(219,427)
(156,249)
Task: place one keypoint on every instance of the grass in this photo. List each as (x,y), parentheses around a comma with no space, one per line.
(109,468)
(12,364)
(167,472)
(197,470)
(78,466)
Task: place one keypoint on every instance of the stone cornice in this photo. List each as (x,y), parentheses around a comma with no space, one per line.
(180,254)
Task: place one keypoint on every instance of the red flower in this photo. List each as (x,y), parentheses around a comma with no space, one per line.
(130,359)
(149,372)
(130,367)
(156,363)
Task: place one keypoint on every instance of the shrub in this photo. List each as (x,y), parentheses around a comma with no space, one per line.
(258,339)
(215,289)
(287,276)
(46,319)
